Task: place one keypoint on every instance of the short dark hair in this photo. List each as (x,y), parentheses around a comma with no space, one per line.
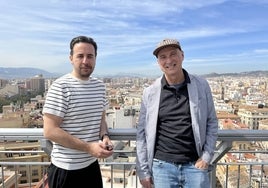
(82,39)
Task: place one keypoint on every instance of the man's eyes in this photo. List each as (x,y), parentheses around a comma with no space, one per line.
(82,56)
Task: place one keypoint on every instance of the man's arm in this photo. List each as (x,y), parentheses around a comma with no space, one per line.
(104,133)
(54,133)
(103,127)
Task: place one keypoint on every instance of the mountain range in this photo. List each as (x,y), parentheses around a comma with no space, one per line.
(28,72)
(24,72)
(241,74)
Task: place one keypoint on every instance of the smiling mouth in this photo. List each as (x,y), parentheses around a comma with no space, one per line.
(86,68)
(171,66)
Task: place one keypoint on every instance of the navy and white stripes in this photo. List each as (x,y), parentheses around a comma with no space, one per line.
(80,104)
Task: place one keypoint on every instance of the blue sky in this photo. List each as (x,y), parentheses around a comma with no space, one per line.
(219,36)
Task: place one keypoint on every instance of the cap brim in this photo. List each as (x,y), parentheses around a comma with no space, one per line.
(155,52)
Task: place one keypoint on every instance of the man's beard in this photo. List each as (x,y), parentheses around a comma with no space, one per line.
(86,74)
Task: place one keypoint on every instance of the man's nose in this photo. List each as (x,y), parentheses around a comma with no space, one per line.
(85,60)
(169,59)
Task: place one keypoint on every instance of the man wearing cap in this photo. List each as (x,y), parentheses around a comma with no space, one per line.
(178,126)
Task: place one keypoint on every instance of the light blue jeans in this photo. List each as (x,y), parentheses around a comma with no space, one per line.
(169,175)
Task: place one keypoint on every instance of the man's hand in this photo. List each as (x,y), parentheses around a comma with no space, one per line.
(99,150)
(201,164)
(147,183)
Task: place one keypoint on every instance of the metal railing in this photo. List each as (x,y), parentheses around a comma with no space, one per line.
(232,168)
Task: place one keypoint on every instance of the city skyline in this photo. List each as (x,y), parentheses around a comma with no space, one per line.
(222,36)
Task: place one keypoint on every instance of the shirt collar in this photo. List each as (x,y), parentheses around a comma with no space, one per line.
(187,80)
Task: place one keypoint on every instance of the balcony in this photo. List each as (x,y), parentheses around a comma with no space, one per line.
(240,159)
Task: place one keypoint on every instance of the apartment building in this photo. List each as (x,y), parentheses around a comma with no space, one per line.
(251,116)
(24,152)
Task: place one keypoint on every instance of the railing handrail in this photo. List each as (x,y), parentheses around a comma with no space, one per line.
(14,134)
(225,139)
(243,135)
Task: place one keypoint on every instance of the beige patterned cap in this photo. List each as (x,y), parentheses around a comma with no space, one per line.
(165,43)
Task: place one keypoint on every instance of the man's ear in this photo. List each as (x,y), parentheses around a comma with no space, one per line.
(71,59)
(182,53)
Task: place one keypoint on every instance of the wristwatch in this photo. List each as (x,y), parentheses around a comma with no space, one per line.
(106,134)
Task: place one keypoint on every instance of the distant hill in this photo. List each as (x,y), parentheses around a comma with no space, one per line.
(28,72)
(22,72)
(250,73)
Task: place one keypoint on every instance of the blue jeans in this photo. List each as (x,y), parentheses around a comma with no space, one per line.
(169,175)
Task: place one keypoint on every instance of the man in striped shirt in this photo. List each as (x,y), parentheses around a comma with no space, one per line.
(74,120)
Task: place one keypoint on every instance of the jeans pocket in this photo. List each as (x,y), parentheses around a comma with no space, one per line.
(157,162)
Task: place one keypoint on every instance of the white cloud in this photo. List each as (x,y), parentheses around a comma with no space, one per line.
(127,31)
